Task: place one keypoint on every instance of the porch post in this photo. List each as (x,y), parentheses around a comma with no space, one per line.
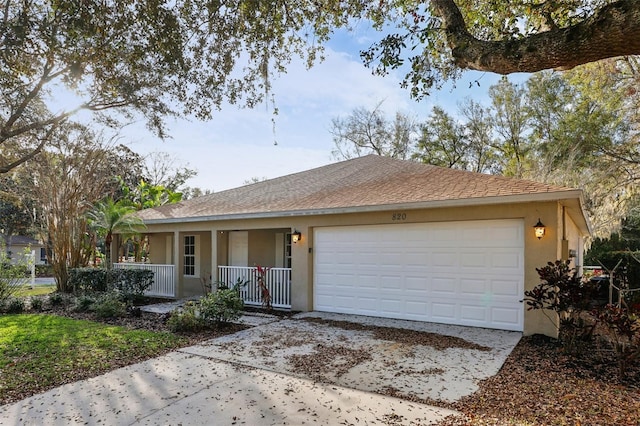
(301,271)
(176,263)
(214,258)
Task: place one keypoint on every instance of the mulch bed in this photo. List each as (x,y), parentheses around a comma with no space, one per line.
(152,322)
(539,384)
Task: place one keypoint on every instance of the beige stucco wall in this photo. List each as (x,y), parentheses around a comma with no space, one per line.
(537,252)
(262,247)
(158,250)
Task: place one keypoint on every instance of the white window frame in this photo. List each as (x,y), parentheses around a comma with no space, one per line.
(194,255)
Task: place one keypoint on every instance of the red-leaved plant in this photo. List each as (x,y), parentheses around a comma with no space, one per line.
(562,291)
(262,284)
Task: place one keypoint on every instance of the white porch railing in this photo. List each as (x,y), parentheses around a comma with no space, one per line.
(164,282)
(277,280)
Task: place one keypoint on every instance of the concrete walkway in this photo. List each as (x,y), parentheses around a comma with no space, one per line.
(193,386)
(183,389)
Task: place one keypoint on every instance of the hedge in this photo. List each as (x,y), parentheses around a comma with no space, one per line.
(131,283)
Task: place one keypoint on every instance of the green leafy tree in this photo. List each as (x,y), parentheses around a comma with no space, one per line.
(576,119)
(482,156)
(156,59)
(15,218)
(160,59)
(145,196)
(511,125)
(442,142)
(108,217)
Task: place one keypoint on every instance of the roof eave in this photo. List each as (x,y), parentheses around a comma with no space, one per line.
(465,202)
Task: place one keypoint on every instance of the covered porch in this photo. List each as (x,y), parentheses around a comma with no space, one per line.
(192,263)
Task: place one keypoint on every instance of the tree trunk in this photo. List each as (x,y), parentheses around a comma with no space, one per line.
(107,248)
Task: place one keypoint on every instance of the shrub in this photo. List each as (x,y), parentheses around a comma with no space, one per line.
(131,283)
(15,306)
(219,307)
(56,299)
(36,303)
(563,292)
(84,303)
(222,306)
(87,280)
(624,330)
(185,319)
(110,306)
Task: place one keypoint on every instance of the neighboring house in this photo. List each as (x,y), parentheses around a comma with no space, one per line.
(20,244)
(379,237)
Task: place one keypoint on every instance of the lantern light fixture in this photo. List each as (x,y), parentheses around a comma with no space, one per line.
(296,236)
(539,229)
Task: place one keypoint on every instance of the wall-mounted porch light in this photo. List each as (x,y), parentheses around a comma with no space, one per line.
(295,236)
(539,229)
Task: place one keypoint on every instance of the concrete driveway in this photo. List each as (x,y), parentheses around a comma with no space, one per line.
(394,357)
(313,368)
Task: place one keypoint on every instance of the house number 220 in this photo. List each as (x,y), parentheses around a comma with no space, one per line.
(399,216)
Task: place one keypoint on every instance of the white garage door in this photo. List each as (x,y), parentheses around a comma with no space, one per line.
(468,273)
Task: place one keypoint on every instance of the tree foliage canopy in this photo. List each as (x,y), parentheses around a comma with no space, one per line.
(160,58)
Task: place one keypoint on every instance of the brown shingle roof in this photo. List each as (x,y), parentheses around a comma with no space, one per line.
(362,182)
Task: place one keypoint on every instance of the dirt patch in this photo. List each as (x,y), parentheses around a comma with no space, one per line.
(337,360)
(401,335)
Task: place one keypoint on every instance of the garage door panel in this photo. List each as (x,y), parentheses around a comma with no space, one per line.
(467,273)
(391,307)
(473,259)
(443,311)
(417,308)
(416,283)
(504,289)
(506,260)
(506,317)
(446,259)
(443,286)
(391,283)
(473,287)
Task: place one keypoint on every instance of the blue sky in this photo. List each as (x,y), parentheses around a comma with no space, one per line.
(238,144)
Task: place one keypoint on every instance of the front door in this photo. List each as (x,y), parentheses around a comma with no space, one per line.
(238,248)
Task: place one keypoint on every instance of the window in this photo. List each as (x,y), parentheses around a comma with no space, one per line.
(190,255)
(43,255)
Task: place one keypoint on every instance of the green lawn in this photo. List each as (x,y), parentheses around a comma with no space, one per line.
(38,352)
(37,290)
